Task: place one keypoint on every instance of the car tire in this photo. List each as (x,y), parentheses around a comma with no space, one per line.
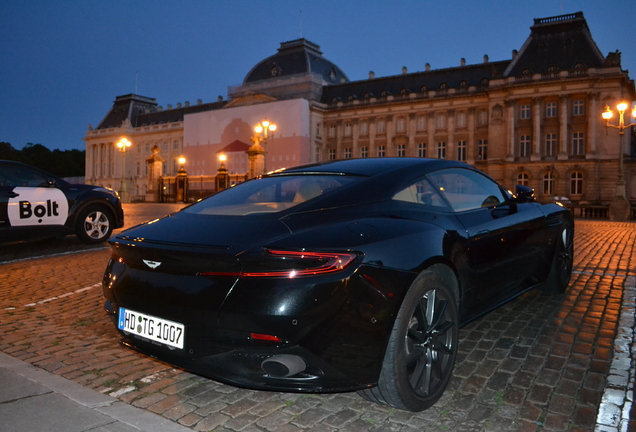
(561,268)
(94,224)
(422,348)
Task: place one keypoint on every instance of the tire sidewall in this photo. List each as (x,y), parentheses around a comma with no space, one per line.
(394,367)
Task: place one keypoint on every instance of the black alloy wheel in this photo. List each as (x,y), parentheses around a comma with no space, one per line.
(421,353)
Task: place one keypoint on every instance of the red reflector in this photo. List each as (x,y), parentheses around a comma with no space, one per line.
(266,337)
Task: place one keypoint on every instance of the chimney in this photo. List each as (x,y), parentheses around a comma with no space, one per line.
(514,53)
(219,99)
(186,103)
(485,58)
(404,70)
(199,102)
(179,105)
(462,62)
(428,67)
(169,106)
(371,75)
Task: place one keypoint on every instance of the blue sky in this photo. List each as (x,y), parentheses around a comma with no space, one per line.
(64,62)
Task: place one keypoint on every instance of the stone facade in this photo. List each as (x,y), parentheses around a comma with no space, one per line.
(534,119)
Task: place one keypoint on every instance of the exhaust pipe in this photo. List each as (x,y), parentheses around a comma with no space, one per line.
(283,365)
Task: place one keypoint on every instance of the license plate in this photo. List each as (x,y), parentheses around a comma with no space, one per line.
(147,326)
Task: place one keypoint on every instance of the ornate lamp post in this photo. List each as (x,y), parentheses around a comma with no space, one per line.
(123,145)
(264,130)
(222,175)
(182,182)
(619,207)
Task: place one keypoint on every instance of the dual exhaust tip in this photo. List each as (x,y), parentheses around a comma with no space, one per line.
(283,365)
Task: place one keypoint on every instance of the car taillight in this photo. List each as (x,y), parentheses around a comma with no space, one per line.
(291,264)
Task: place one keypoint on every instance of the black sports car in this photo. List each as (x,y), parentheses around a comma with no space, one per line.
(36,204)
(346,275)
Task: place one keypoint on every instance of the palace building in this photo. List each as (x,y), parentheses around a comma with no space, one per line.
(533,119)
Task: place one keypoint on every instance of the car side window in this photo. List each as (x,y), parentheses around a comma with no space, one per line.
(19,176)
(467,189)
(421,192)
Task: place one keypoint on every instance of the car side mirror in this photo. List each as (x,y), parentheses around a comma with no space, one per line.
(524,194)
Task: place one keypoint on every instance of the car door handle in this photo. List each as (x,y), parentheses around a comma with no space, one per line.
(11,194)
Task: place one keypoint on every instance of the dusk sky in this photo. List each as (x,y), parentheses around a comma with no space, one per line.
(64,62)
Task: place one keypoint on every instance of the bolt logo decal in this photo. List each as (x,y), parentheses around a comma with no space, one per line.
(37,206)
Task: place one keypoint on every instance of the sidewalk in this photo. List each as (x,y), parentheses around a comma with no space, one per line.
(33,400)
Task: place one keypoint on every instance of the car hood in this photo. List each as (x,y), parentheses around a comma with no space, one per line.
(231,233)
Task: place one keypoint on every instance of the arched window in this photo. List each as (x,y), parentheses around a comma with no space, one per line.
(576,183)
(548,183)
(424,88)
(523,178)
(384,93)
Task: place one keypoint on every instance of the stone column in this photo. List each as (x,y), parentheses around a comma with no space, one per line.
(510,109)
(563,131)
(536,130)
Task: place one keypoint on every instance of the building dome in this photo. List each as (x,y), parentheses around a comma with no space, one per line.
(297,57)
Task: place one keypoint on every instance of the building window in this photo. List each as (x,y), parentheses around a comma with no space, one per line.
(461,151)
(381,151)
(482,149)
(317,129)
(523,179)
(578,108)
(332,131)
(524,146)
(400,127)
(440,121)
(165,146)
(421,150)
(441,150)
(525,112)
(380,127)
(347,129)
(551,109)
(364,152)
(318,158)
(576,183)
(332,154)
(401,150)
(175,145)
(482,118)
(550,144)
(347,153)
(421,122)
(578,143)
(461,119)
(364,128)
(548,183)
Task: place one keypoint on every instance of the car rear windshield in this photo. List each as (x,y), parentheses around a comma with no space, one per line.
(269,194)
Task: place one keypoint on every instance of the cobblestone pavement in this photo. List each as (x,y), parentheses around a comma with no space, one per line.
(538,363)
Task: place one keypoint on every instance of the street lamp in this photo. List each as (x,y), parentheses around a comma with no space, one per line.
(123,145)
(619,207)
(222,175)
(182,182)
(263,130)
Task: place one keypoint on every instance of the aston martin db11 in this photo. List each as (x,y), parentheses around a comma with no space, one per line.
(346,275)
